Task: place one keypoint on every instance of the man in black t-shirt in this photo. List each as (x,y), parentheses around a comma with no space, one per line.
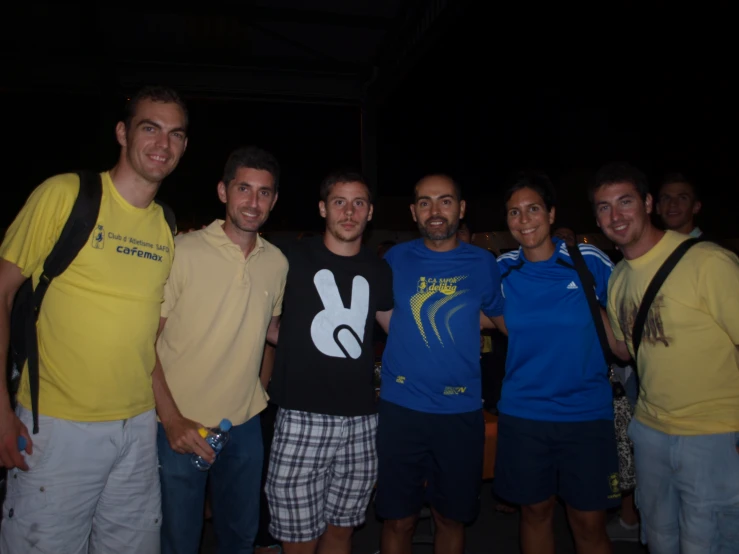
(323,463)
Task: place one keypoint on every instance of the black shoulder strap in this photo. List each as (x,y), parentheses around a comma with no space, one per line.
(78,227)
(168,215)
(74,235)
(588,283)
(653,288)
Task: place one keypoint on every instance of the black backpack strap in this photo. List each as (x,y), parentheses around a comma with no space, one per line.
(74,235)
(168,215)
(588,283)
(656,283)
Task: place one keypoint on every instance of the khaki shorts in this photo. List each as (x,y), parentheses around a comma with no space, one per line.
(91,487)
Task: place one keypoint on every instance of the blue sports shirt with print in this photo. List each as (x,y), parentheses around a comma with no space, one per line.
(432,359)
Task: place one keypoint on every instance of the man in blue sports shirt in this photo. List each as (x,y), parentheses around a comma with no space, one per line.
(431,430)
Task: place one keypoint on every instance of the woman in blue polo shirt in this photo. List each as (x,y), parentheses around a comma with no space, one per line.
(555,428)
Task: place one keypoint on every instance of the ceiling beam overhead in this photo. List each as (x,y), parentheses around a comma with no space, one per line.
(233,48)
(417,30)
(83,75)
(262,14)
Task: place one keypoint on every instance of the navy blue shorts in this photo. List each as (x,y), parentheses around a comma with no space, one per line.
(577,460)
(436,458)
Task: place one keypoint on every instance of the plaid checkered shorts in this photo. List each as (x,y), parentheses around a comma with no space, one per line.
(322,470)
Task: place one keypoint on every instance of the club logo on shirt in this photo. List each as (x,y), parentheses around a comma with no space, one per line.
(337,331)
(139,253)
(444,286)
(444,290)
(97,240)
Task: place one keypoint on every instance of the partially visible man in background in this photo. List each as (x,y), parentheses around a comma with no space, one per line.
(678,205)
(567,235)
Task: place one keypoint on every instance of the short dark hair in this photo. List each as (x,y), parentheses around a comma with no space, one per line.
(254,158)
(619,172)
(457,186)
(678,177)
(538,182)
(342,176)
(155,94)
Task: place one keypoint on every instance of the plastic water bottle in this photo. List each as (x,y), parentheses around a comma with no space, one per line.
(216,438)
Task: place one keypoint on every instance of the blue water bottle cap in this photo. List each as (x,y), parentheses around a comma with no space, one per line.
(22,442)
(225,425)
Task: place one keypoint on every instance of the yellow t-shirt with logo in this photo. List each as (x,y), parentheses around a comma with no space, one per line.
(688,361)
(98,322)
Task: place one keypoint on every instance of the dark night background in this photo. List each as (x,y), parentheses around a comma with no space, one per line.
(493,90)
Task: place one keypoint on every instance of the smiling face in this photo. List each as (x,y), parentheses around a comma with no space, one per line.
(622,214)
(677,206)
(437,209)
(249,198)
(530,222)
(155,140)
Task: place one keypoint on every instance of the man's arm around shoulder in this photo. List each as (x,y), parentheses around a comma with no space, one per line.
(273,331)
(383,318)
(493,322)
(618,347)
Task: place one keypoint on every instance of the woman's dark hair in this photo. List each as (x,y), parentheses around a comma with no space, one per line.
(536,181)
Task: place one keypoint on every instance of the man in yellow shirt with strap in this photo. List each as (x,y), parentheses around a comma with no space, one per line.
(686,424)
(88,481)
(224,293)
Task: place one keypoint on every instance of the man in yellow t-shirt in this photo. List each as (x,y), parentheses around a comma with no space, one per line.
(88,481)
(224,293)
(686,424)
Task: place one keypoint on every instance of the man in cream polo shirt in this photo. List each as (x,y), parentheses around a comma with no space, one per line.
(223,295)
